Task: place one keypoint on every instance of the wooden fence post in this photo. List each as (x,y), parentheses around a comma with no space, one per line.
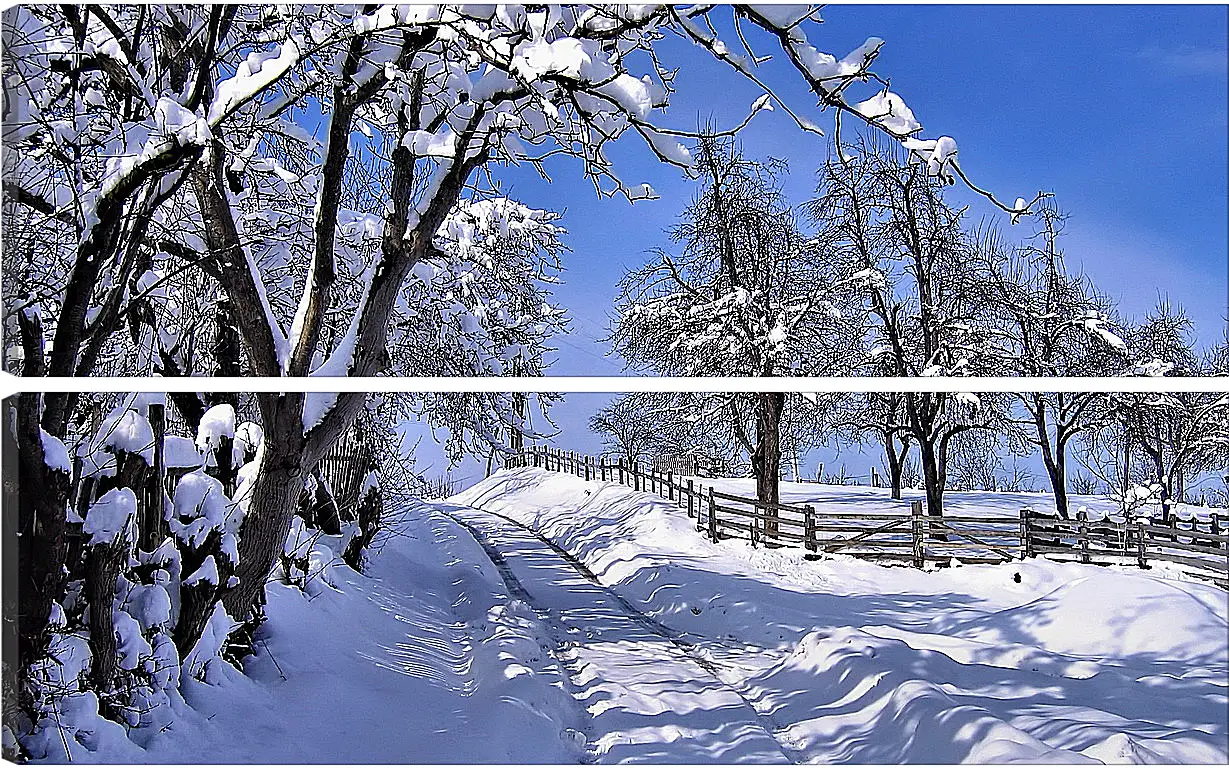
(712,516)
(1081,518)
(1026,540)
(819,473)
(588,459)
(1142,543)
(621,471)
(874,478)
(810,540)
(919,546)
(670,483)
(691,495)
(700,509)
(636,474)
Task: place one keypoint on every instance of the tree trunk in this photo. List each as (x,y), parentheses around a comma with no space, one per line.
(933,478)
(103,565)
(1158,463)
(275,495)
(1054,458)
(197,600)
(369,513)
(766,460)
(896,464)
(1056,468)
(41,495)
(226,342)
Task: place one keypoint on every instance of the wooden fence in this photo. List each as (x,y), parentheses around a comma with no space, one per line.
(909,535)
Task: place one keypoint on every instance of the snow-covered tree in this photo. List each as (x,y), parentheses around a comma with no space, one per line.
(291,169)
(928,307)
(631,425)
(1052,323)
(744,295)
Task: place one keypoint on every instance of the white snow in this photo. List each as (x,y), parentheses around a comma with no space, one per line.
(110,515)
(130,645)
(890,111)
(207,573)
(150,605)
(218,422)
(858,662)
(253,75)
(55,455)
(126,431)
(425,659)
(181,452)
(666,648)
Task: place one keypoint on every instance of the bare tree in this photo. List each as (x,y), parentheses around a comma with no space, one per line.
(631,425)
(881,416)
(743,296)
(928,308)
(1053,324)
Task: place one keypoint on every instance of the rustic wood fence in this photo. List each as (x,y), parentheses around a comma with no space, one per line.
(910,536)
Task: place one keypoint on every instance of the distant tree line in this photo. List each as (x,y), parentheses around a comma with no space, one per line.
(880,274)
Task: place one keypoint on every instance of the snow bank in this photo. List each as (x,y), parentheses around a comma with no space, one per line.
(426,659)
(1138,617)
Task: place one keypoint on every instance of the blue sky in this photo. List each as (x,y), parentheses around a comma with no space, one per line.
(1120,111)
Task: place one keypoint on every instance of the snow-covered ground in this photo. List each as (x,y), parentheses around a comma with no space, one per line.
(861,498)
(425,659)
(847,661)
(536,617)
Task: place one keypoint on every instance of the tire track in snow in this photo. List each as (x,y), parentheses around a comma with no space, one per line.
(685,646)
(516,590)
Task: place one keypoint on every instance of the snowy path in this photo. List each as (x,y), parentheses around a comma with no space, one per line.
(651,697)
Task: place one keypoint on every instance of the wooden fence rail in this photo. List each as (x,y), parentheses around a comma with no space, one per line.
(911,535)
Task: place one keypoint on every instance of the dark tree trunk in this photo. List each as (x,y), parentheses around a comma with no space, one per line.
(1054,458)
(896,463)
(369,513)
(198,600)
(152,527)
(42,495)
(932,475)
(226,345)
(320,509)
(275,495)
(104,562)
(766,460)
(1056,468)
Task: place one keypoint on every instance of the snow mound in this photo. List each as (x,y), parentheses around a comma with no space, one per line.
(1134,617)
(856,702)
